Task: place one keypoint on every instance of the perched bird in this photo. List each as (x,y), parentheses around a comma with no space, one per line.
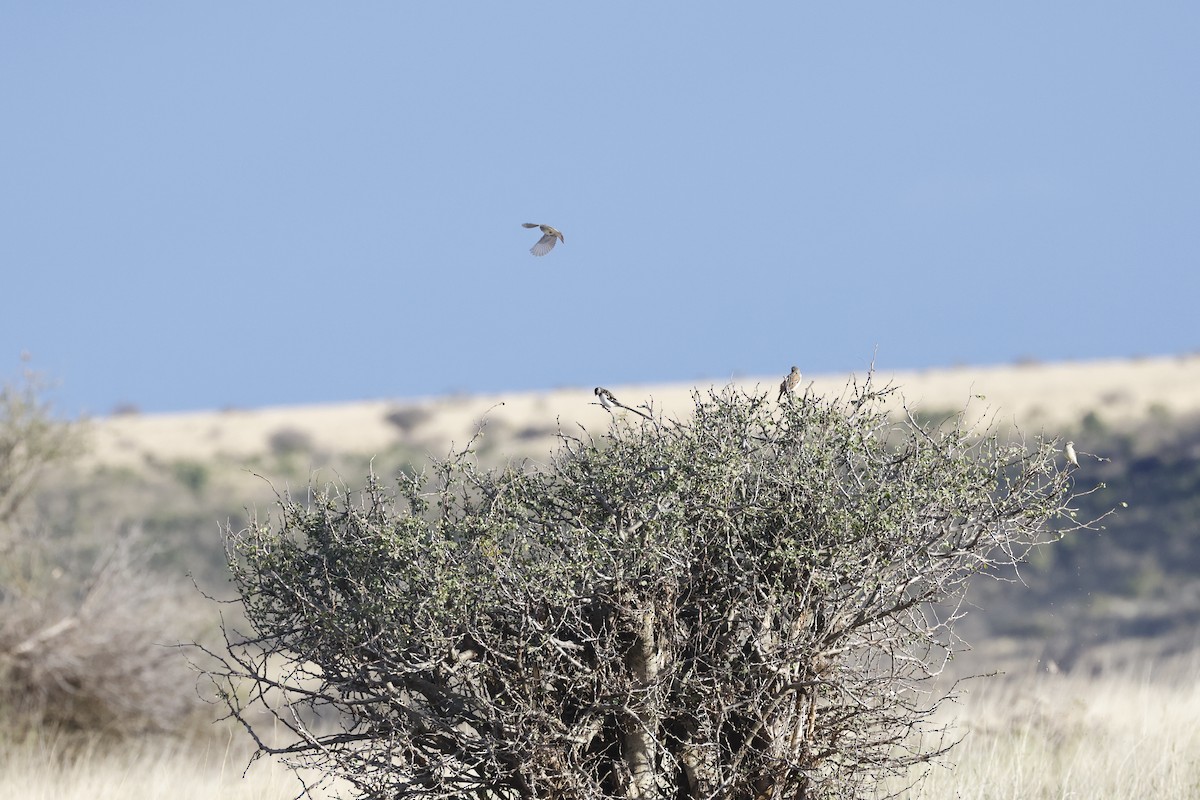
(606,398)
(549,237)
(789,383)
(1069,451)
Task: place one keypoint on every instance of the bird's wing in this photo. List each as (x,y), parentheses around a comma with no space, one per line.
(544,245)
(530,225)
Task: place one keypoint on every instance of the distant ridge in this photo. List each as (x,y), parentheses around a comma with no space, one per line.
(1032,395)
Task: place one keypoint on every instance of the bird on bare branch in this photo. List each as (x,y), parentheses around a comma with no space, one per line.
(549,237)
(607,400)
(1069,452)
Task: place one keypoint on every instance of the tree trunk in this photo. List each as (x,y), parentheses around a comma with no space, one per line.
(639,741)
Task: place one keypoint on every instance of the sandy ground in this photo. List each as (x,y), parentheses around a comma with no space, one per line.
(1034,396)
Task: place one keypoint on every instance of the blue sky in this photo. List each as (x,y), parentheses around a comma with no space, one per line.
(236,204)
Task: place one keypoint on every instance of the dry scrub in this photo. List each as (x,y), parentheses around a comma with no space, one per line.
(1040,736)
(1069,736)
(73,768)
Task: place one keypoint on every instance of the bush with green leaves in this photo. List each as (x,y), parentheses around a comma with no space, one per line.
(751,601)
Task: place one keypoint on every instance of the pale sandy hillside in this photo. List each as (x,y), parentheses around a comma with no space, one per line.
(1035,396)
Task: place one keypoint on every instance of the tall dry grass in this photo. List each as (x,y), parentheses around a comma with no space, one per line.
(1126,735)
(1111,737)
(53,767)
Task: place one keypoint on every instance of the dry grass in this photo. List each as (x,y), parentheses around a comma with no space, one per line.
(1040,736)
(1059,736)
(68,768)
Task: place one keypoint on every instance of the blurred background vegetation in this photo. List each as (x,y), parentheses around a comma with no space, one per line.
(1126,593)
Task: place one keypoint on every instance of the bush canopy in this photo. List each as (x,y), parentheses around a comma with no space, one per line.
(748,602)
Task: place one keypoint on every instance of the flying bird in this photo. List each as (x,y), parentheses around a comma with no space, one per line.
(789,383)
(606,398)
(1069,451)
(549,237)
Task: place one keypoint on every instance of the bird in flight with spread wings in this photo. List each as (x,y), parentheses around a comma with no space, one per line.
(549,237)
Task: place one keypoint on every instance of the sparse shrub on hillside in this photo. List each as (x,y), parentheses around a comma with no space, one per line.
(408,418)
(529,433)
(192,474)
(79,622)
(31,441)
(289,441)
(125,410)
(740,604)
(85,653)
(1093,426)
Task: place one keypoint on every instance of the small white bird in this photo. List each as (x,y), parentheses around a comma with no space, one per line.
(606,398)
(1069,451)
(549,237)
(789,383)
